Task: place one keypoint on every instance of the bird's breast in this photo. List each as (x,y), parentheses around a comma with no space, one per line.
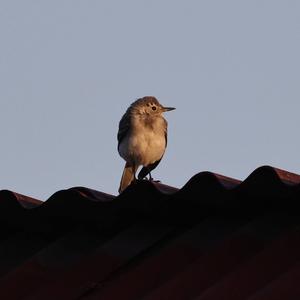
(145,142)
(144,145)
(148,146)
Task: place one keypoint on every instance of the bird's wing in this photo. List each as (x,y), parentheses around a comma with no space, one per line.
(147,169)
(124,126)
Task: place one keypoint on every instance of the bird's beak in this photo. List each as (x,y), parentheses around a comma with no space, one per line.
(168,108)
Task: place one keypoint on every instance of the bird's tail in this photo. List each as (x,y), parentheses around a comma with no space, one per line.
(127,177)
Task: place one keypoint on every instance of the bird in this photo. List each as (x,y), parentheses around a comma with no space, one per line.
(142,138)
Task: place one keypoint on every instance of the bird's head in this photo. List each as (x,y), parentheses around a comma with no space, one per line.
(149,106)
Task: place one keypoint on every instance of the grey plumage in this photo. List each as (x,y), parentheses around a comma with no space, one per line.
(142,138)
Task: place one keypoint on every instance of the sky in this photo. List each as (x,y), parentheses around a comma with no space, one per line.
(69,69)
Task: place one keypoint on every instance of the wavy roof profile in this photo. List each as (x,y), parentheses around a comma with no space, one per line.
(215,238)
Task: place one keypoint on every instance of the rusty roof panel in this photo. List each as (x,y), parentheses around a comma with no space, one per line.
(216,236)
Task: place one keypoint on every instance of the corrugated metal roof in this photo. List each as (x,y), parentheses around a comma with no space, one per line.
(215,238)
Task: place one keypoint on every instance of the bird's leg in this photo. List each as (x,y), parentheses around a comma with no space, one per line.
(150,177)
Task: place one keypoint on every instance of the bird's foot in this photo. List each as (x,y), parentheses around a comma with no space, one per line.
(156,181)
(151,179)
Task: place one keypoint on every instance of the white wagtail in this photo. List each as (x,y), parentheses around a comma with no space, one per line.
(142,138)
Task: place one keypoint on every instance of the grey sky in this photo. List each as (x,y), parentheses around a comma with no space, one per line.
(69,69)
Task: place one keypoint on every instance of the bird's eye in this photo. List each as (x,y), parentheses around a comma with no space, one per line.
(153,108)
